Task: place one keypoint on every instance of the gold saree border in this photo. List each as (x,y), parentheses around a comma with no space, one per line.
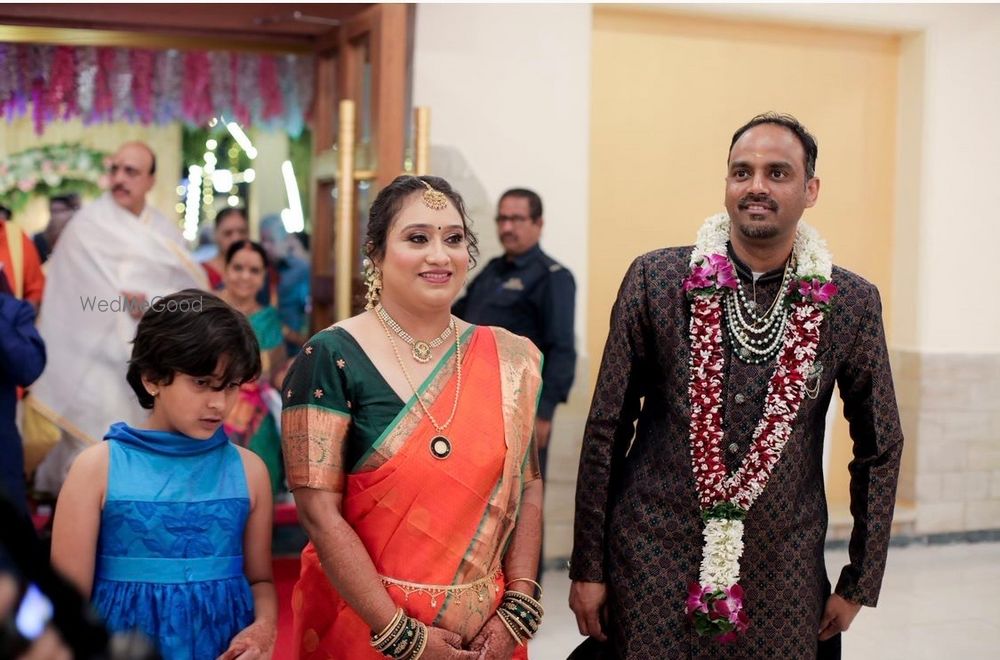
(520,382)
(313,442)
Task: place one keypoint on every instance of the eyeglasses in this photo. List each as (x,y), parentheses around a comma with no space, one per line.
(516,219)
(129,171)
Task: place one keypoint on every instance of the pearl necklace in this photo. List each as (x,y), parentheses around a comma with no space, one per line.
(757,338)
(420,350)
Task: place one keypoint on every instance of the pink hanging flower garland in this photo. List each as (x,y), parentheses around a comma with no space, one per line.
(270,89)
(104,99)
(114,84)
(219,70)
(197,95)
(143,63)
(61,93)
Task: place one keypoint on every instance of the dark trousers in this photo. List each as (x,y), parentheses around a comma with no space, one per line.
(543,463)
(830,649)
(12,469)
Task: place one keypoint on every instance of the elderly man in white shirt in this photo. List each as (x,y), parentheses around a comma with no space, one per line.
(117,257)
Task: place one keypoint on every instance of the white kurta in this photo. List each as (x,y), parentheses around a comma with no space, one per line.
(103,251)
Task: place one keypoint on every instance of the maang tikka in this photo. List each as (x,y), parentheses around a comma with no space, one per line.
(433,199)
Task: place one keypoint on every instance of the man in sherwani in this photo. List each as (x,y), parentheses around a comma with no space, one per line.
(705,523)
(117,257)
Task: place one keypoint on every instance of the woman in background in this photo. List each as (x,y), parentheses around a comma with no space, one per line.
(253,421)
(231,225)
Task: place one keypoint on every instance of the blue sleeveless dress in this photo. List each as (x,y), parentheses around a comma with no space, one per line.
(170,550)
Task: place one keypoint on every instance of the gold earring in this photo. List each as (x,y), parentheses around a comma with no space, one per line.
(373,279)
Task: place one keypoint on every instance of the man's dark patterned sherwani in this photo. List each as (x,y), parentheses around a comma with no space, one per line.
(638,527)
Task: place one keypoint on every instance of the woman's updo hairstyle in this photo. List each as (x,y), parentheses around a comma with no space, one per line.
(390,200)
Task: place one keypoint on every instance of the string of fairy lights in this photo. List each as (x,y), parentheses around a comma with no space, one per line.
(208,180)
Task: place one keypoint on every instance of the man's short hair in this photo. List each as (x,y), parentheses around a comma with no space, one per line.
(228,211)
(72,200)
(792,124)
(5,213)
(534,201)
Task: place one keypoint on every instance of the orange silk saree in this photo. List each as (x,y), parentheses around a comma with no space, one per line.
(436,529)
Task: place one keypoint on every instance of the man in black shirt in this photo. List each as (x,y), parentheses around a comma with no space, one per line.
(61,210)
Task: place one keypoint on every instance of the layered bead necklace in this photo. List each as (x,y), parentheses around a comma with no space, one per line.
(757,336)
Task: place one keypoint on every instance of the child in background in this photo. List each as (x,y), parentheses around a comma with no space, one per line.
(167,527)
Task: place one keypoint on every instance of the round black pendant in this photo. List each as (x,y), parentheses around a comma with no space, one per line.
(440,447)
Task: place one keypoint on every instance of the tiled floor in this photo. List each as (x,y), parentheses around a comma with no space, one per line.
(938,602)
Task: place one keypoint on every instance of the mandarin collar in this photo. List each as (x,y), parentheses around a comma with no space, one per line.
(746,273)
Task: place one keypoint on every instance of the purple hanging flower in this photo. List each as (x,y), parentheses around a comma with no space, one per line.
(8,75)
(121,86)
(698,597)
(305,67)
(86,77)
(167,87)
(221,82)
(290,95)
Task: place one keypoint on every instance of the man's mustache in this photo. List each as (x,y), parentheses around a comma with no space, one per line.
(119,188)
(747,200)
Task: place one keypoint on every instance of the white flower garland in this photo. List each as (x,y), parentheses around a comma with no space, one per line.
(812,258)
(725,499)
(720,563)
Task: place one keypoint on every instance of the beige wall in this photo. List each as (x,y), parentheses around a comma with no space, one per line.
(666,99)
(950,89)
(508,88)
(509,91)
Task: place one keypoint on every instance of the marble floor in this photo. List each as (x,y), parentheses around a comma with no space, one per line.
(937,602)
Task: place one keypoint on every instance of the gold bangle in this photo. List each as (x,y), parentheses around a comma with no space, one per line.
(383,635)
(530,581)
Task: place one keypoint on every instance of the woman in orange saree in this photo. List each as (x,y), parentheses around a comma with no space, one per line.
(422,498)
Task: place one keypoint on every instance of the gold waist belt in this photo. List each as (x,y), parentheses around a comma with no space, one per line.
(482,587)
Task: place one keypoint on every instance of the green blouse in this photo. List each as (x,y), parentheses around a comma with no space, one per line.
(266,325)
(334,373)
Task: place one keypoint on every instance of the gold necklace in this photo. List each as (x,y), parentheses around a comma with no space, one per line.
(440,445)
(420,350)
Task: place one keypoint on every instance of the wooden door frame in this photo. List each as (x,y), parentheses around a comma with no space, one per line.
(387,30)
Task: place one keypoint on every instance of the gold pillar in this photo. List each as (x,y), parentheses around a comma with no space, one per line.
(422,141)
(344,235)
